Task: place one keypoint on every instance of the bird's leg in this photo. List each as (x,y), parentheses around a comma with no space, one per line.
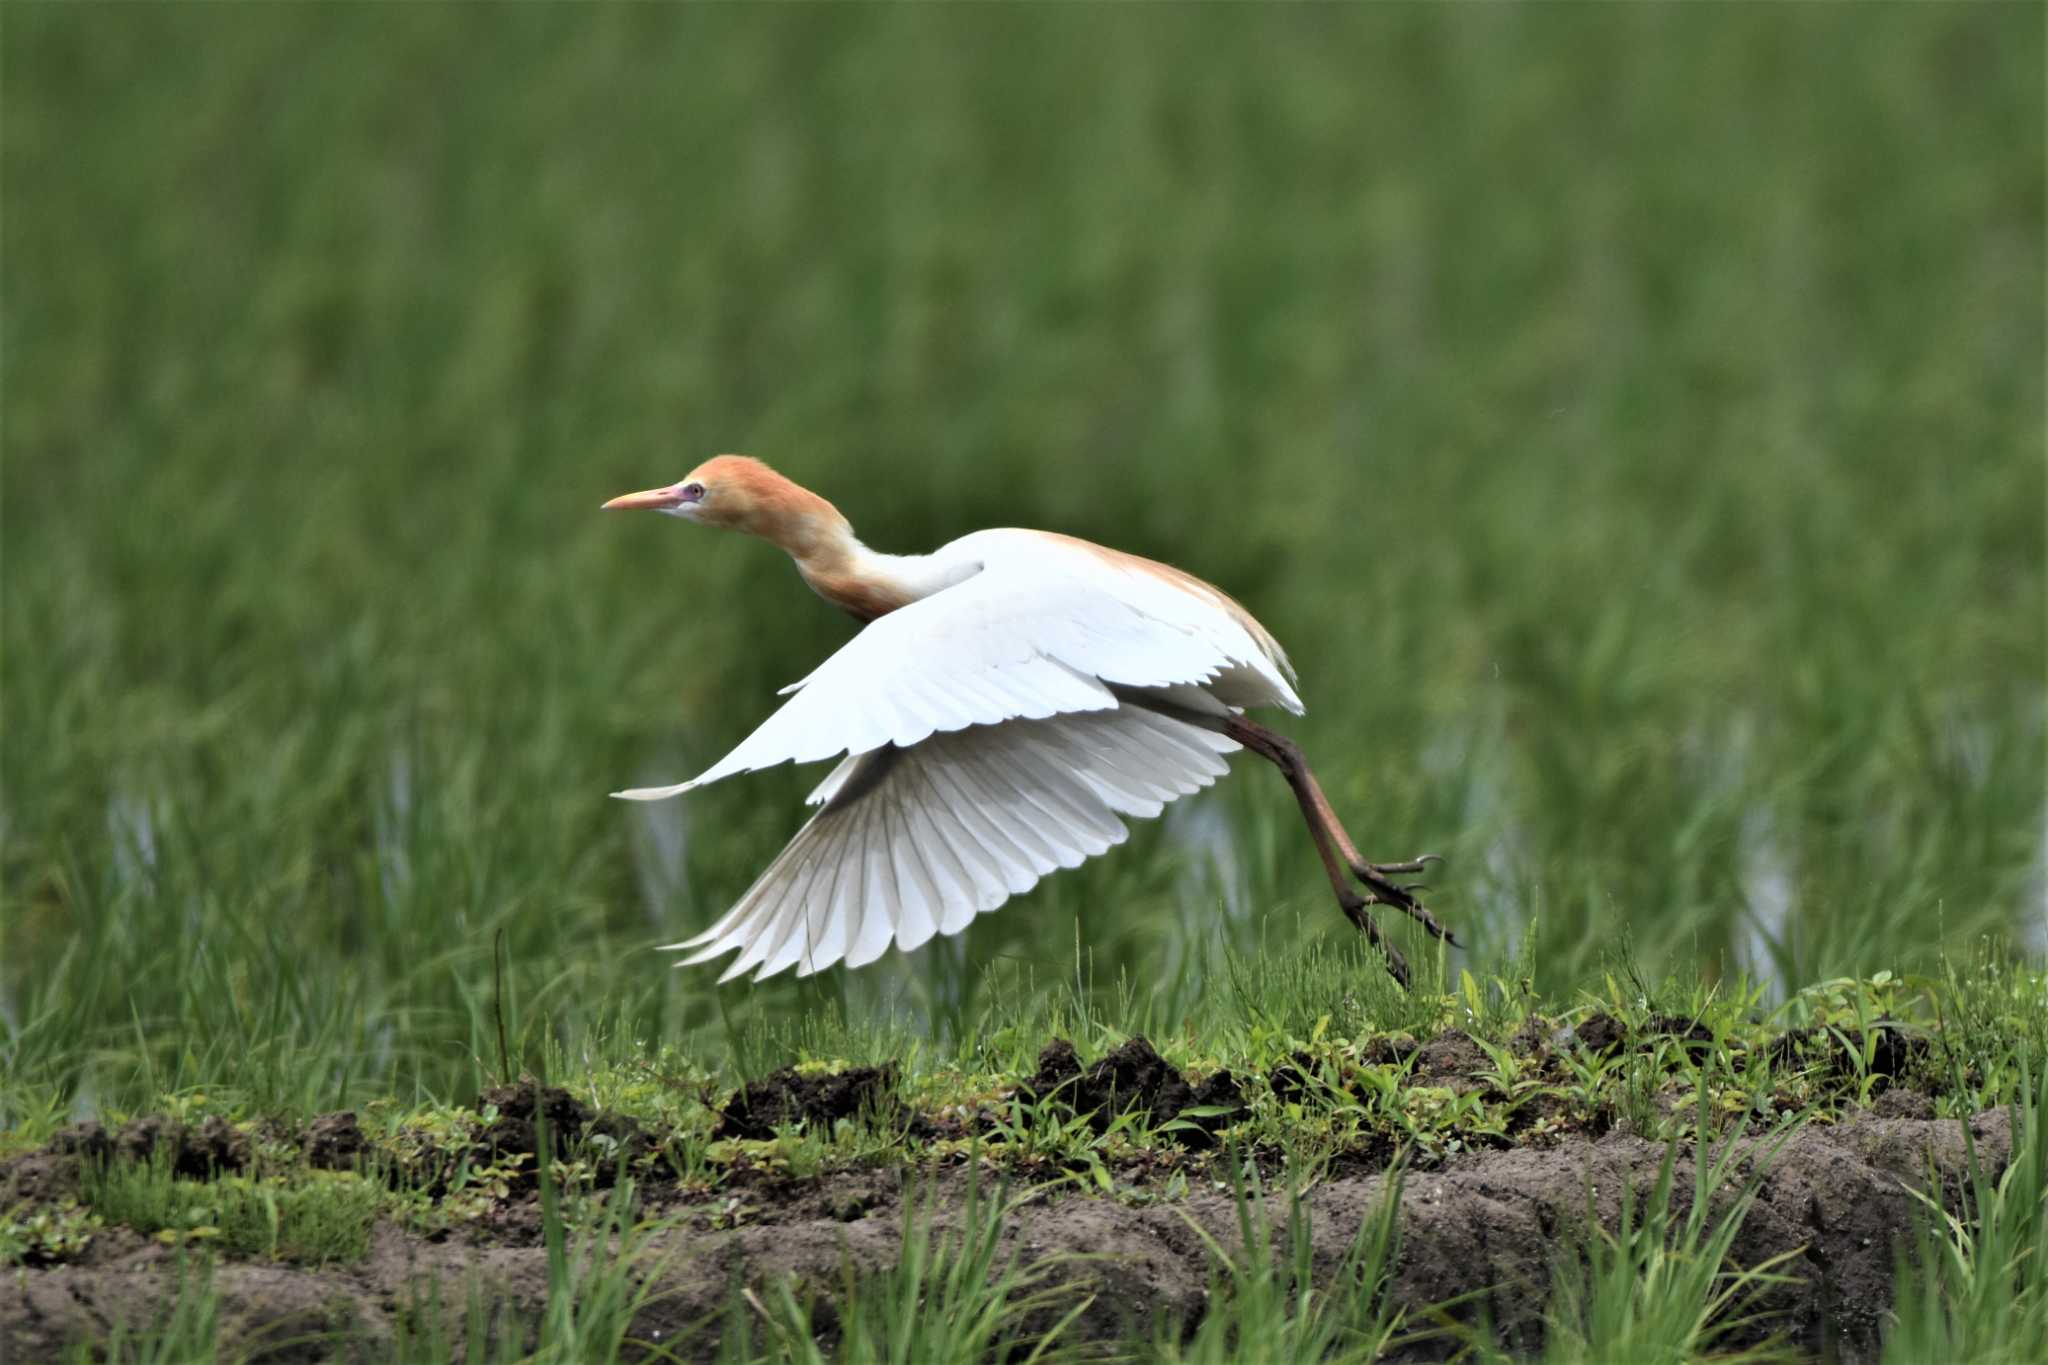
(1348,900)
(1338,853)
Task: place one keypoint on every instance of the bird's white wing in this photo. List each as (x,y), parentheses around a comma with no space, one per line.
(916,842)
(1040,631)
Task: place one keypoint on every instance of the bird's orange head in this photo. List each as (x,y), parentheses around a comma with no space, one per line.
(740,493)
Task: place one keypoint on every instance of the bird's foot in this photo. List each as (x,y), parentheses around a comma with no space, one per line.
(1382,889)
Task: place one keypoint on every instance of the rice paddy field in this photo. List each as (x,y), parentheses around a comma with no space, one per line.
(1629,417)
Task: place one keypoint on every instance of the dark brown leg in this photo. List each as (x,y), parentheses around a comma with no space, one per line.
(1338,853)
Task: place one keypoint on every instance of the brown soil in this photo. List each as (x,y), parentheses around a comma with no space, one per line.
(335,1142)
(1485,1226)
(789,1097)
(1892,1049)
(1135,1077)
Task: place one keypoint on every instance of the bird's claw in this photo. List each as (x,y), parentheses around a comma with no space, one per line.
(1408,869)
(1382,889)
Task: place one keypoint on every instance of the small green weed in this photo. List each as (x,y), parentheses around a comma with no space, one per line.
(47,1235)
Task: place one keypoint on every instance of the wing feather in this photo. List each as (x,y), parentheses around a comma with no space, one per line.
(914,843)
(970,808)
(977,884)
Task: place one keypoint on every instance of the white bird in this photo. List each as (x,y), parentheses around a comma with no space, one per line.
(1009,698)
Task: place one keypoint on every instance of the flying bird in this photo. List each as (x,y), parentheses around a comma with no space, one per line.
(1009,697)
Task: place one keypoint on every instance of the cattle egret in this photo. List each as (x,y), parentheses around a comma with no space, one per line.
(1008,698)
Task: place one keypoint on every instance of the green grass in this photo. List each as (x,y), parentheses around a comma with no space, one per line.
(1630,420)
(1629,417)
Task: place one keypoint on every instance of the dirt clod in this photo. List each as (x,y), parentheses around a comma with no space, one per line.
(1058,1064)
(1390,1049)
(1293,1078)
(335,1142)
(194,1153)
(1597,1032)
(1892,1049)
(512,1132)
(1450,1058)
(1134,1077)
(616,1143)
(37,1178)
(1697,1037)
(1900,1103)
(87,1140)
(788,1096)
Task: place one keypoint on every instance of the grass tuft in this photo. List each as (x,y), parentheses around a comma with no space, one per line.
(312,1217)
(1265,1301)
(953,1294)
(1663,1287)
(188,1329)
(1976,1287)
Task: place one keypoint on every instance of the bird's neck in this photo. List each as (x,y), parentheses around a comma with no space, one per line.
(864,583)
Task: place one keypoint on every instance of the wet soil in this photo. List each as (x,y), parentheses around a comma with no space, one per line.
(1484,1226)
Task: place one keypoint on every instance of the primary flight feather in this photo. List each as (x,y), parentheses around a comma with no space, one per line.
(1012,696)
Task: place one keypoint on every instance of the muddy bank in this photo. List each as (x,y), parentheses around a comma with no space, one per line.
(1485,1223)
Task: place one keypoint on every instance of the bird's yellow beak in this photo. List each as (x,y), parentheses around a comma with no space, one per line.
(654,499)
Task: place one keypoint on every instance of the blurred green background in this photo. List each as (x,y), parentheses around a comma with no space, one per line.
(1630,417)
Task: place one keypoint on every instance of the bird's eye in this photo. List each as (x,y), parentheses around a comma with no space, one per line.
(693,492)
